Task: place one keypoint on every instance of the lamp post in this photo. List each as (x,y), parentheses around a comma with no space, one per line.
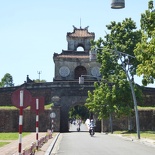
(118,4)
(132,89)
(39,72)
(120,54)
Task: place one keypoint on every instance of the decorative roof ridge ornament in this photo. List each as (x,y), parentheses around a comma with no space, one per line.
(75,28)
(118,4)
(86,28)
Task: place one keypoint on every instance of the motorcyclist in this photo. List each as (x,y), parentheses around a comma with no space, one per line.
(91,125)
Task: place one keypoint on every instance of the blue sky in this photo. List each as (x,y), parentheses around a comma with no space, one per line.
(32,30)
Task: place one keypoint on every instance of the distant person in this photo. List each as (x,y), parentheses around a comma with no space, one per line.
(91,125)
(78,125)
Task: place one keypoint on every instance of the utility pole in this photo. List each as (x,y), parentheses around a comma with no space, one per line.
(126,70)
(39,72)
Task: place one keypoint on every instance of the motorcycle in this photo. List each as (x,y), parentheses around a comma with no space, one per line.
(91,131)
(78,129)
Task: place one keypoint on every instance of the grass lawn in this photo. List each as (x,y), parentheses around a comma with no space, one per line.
(5,137)
(143,134)
(11,135)
(145,108)
(48,106)
(3,143)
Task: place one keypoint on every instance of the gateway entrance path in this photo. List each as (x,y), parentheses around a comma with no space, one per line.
(81,143)
(73,127)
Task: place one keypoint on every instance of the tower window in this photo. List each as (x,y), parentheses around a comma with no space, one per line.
(80,48)
(80,70)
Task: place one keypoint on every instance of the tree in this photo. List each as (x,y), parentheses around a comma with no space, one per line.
(79,111)
(7,81)
(108,99)
(123,37)
(145,49)
(99,101)
(1,84)
(116,99)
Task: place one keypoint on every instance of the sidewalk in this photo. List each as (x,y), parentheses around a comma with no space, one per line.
(145,141)
(12,148)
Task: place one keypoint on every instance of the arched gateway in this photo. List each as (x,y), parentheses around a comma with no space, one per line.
(69,66)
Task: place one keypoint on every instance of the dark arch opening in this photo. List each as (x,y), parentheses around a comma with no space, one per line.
(78,117)
(79,70)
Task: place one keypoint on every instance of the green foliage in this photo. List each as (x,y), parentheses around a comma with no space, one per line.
(7,81)
(107,98)
(4,136)
(49,106)
(147,19)
(144,134)
(79,112)
(11,135)
(39,81)
(146,108)
(8,108)
(3,143)
(145,50)
(100,101)
(113,95)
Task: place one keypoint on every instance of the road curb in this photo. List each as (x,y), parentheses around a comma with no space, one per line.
(50,148)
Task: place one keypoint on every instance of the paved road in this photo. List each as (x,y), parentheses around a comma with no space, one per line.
(80,143)
(73,127)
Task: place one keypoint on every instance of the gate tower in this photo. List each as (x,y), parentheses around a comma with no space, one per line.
(70,64)
(74,62)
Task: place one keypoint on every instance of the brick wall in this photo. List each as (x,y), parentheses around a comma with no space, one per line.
(146,121)
(9,120)
(70,93)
